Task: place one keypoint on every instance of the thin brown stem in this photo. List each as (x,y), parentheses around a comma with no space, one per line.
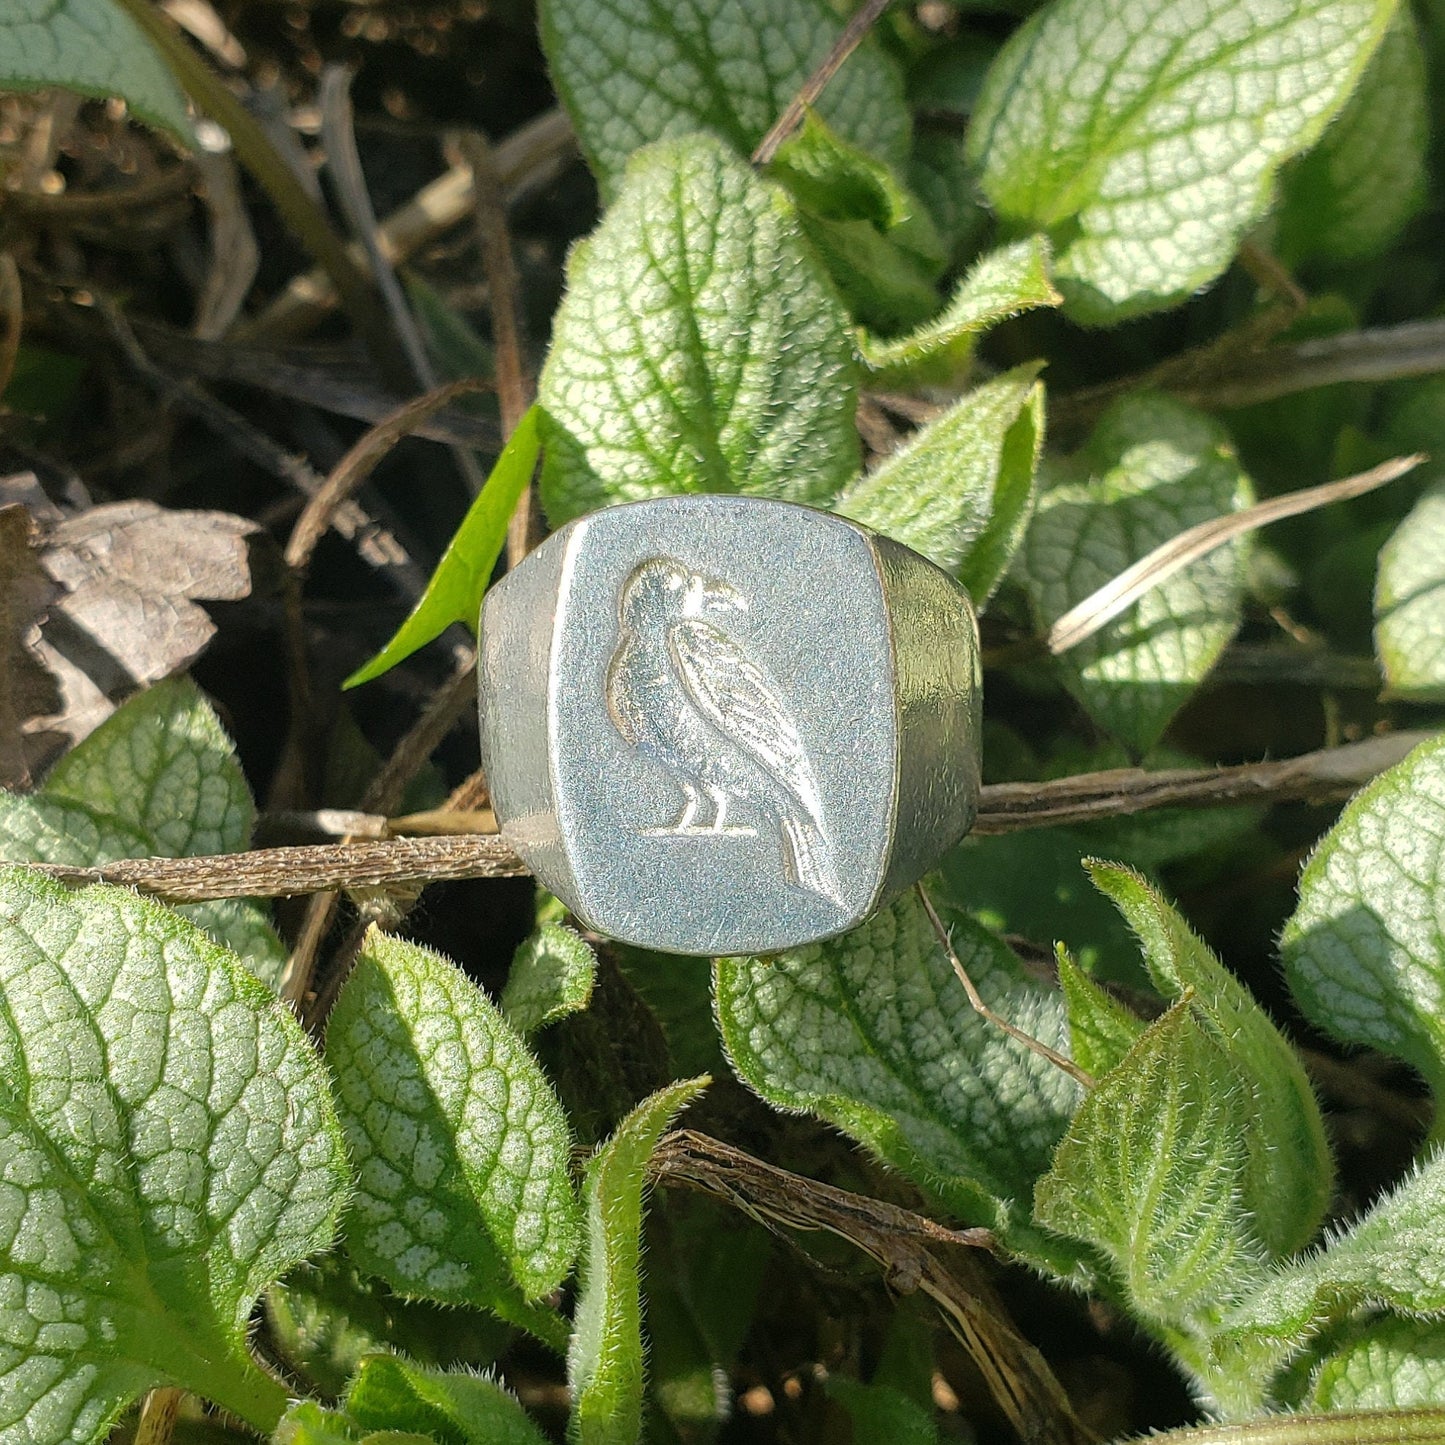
(358,464)
(527,158)
(256,153)
(158,1415)
(1239,370)
(976,1002)
(515,388)
(858,26)
(1329,775)
(910,1251)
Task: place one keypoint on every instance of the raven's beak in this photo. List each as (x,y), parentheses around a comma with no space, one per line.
(720,597)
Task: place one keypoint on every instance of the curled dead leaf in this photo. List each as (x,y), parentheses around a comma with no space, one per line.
(122,585)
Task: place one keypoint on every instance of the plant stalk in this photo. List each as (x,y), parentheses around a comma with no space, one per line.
(301,214)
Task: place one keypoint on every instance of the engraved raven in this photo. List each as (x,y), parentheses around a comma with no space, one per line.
(684,692)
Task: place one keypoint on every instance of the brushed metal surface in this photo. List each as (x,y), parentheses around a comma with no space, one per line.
(719,724)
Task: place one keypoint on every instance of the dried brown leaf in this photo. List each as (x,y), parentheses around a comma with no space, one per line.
(132,574)
(27,690)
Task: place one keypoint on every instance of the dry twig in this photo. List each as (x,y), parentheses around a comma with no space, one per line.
(1105,603)
(860,23)
(1325,776)
(906,1247)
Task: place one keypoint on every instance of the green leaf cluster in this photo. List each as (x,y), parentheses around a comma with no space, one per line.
(174,1144)
(924,247)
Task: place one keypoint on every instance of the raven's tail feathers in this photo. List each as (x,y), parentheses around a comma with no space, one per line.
(809,860)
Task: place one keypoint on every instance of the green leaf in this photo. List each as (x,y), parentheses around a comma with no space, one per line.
(94,47)
(877,240)
(1352,194)
(881,1415)
(1154,468)
(552,976)
(635,71)
(699,348)
(604,1362)
(309,1423)
(1364,952)
(454,593)
(35,828)
(325,1317)
(830,178)
(158,778)
(884,286)
(457,350)
(163,762)
(873,1032)
(1000,284)
(171,1149)
(456,1407)
(1144,138)
(1029,883)
(707,1264)
(1101,1029)
(961,489)
(1389,1363)
(1410,603)
(459,1144)
(1394,1256)
(1150,1174)
(1290,1172)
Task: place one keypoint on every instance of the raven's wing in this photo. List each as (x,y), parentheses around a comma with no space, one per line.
(739,699)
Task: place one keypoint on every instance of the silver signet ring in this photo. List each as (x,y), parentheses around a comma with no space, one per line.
(721,724)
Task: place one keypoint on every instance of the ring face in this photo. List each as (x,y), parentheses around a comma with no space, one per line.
(692,725)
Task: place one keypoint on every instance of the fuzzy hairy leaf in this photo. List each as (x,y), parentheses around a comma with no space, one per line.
(163,762)
(998,285)
(884,286)
(1289,1174)
(699,348)
(605,1360)
(1358,187)
(1389,1363)
(310,1423)
(455,1407)
(171,1149)
(635,71)
(94,47)
(552,976)
(1150,1173)
(323,1319)
(875,237)
(873,1032)
(460,1146)
(960,491)
(1101,1029)
(1365,950)
(1393,1256)
(1144,138)
(1154,468)
(454,593)
(158,778)
(1410,603)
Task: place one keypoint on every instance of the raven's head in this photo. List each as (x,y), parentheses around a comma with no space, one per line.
(662,588)
(707,594)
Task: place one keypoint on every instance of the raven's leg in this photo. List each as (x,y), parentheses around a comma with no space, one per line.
(720,810)
(684,824)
